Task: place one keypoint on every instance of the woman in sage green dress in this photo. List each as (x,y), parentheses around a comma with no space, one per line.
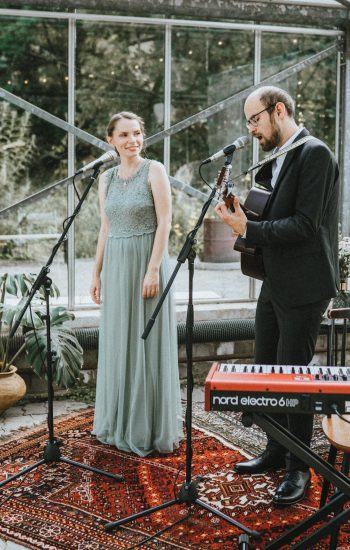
(138,392)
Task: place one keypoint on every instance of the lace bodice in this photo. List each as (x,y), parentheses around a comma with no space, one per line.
(129,203)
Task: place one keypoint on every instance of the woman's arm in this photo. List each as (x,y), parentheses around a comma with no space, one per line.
(95,289)
(162,200)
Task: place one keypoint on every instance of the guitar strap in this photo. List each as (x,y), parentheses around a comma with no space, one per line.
(279,153)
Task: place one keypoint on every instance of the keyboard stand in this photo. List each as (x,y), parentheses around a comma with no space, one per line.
(321,466)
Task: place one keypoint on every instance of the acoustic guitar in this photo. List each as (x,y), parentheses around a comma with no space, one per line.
(253,207)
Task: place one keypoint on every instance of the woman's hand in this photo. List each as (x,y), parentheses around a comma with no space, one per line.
(150,287)
(95,290)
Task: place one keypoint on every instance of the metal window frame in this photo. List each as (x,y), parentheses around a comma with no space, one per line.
(166,21)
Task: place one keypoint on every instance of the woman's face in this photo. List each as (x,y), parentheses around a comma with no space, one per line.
(127,138)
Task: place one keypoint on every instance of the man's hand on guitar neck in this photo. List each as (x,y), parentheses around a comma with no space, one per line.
(236,219)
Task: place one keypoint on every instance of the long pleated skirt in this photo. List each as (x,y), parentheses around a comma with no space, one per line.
(138,392)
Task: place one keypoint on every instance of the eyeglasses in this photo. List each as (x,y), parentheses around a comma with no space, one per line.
(253,121)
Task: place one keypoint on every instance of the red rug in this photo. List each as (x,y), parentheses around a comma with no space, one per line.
(63,507)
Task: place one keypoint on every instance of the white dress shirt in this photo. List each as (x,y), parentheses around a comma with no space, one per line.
(278,162)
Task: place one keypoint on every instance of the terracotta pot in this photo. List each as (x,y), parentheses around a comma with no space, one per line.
(218,242)
(12,388)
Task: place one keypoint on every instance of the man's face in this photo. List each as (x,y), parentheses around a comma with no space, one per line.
(262,123)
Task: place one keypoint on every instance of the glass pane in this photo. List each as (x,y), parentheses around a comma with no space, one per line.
(34,67)
(209,66)
(119,68)
(279,51)
(313,88)
(28,235)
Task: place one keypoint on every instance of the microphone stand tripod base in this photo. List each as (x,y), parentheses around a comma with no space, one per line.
(188,496)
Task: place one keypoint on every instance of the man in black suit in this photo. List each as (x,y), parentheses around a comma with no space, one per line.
(298,237)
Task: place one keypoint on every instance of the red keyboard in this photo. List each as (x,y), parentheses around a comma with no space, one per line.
(277,388)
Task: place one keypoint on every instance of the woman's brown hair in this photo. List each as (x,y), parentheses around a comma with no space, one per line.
(124,114)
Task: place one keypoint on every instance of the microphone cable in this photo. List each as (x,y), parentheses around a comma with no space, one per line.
(202,177)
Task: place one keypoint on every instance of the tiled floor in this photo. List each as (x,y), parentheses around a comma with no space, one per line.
(33,414)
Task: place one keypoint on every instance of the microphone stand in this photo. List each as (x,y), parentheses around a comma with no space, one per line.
(188,493)
(52,451)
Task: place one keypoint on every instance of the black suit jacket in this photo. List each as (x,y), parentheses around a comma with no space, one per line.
(298,233)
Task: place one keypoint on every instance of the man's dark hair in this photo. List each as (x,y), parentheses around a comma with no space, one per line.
(270,95)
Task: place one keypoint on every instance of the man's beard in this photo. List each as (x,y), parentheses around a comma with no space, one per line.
(273,141)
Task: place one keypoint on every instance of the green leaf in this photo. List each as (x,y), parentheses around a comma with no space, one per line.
(33,317)
(11,285)
(11,313)
(20,279)
(67,358)
(60,315)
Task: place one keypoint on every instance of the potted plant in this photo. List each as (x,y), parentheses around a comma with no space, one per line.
(67,354)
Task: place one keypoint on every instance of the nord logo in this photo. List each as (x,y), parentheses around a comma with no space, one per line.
(252,401)
(225,400)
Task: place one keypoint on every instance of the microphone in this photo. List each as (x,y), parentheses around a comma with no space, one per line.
(106,157)
(229,149)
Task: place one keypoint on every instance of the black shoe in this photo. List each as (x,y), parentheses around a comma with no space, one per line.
(293,488)
(262,463)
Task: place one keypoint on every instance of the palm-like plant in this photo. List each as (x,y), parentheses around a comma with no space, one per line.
(67,354)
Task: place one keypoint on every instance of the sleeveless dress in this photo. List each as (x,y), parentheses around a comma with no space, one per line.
(138,391)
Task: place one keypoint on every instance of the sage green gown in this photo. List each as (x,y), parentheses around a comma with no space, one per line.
(138,392)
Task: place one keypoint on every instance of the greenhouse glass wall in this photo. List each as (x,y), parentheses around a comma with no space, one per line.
(64,74)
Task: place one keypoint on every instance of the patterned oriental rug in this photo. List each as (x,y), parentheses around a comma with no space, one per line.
(59,506)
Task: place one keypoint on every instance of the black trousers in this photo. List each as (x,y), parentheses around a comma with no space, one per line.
(287,336)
